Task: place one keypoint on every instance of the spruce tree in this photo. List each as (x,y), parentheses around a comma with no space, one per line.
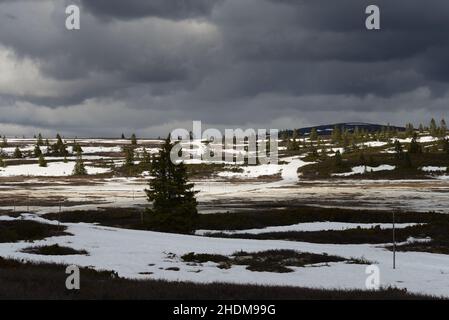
(443,127)
(129,156)
(37,151)
(433,128)
(133,139)
(59,148)
(174,204)
(336,135)
(146,159)
(409,130)
(40,141)
(415,147)
(17,153)
(337,159)
(313,134)
(421,128)
(398,150)
(77,148)
(42,162)
(79,169)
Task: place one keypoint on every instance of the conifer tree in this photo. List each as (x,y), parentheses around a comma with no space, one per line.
(443,127)
(292,145)
(174,204)
(398,149)
(336,135)
(433,129)
(2,163)
(42,162)
(313,134)
(337,159)
(129,156)
(415,147)
(146,157)
(37,151)
(40,141)
(421,128)
(77,148)
(17,153)
(59,148)
(79,169)
(133,139)
(409,130)
(4,142)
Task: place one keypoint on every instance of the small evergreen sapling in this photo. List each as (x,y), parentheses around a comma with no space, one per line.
(133,139)
(37,151)
(79,169)
(42,162)
(17,153)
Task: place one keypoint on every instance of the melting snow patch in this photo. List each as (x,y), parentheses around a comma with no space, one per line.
(310,226)
(53,169)
(433,169)
(253,171)
(363,169)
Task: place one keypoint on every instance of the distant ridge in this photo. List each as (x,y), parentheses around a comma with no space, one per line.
(327,128)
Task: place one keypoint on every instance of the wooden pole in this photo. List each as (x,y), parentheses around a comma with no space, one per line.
(394,242)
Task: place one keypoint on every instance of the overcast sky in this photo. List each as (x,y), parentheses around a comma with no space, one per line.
(148,66)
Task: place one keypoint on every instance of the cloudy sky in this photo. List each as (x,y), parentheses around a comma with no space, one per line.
(148,66)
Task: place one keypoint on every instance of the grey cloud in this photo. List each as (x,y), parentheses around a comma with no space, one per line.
(173,9)
(151,65)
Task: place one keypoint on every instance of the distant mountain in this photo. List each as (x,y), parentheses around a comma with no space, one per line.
(327,129)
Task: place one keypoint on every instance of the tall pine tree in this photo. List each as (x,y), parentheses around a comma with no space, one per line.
(174,203)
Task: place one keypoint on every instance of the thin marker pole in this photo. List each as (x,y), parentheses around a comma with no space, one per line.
(394,242)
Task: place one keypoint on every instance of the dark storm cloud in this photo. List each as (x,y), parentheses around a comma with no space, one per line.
(131,9)
(150,65)
(291,38)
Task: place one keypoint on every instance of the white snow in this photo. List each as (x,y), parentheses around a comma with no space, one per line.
(309,226)
(53,169)
(131,252)
(433,169)
(421,139)
(363,169)
(99,149)
(253,171)
(372,144)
